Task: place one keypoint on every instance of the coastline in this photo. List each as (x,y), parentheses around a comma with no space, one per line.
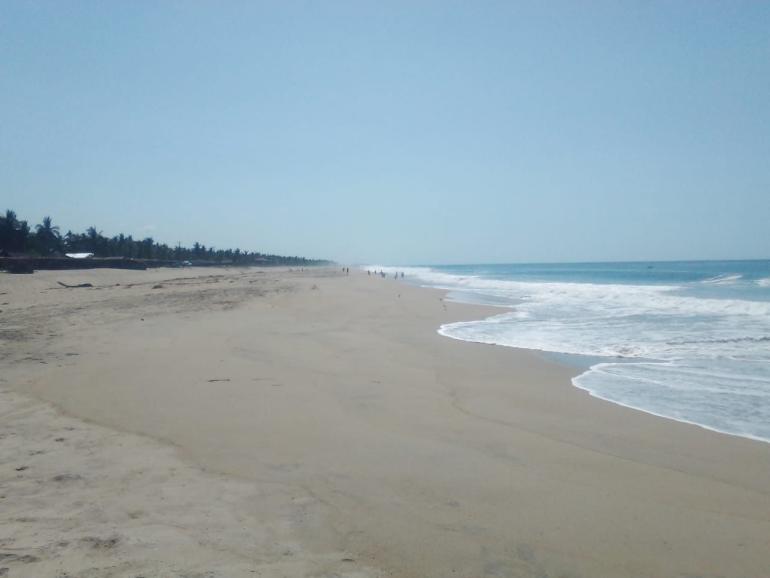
(585,367)
(594,363)
(743,435)
(406,452)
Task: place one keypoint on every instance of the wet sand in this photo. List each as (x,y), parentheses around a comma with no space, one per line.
(285,423)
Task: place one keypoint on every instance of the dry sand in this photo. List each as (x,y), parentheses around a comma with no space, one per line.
(216,423)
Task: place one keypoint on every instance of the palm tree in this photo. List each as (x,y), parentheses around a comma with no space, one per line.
(10,219)
(94,240)
(14,234)
(7,229)
(48,237)
(15,237)
(146,247)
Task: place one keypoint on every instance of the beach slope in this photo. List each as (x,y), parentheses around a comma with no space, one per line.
(307,423)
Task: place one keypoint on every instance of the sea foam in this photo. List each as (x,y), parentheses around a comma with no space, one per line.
(666,348)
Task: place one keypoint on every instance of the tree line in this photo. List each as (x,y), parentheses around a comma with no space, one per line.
(46,239)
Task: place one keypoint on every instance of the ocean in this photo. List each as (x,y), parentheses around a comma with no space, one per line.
(684,340)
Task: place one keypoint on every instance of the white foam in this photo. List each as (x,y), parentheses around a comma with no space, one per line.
(708,359)
(723,279)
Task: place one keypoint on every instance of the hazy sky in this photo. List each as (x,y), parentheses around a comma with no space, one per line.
(395,132)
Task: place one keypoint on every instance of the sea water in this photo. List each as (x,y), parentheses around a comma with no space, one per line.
(684,340)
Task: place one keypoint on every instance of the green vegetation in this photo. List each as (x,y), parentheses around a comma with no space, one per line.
(16,237)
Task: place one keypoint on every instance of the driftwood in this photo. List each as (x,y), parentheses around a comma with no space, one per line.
(74,286)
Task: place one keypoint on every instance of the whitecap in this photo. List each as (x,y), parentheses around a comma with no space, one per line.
(723,279)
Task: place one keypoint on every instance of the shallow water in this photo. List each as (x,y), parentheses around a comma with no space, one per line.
(684,340)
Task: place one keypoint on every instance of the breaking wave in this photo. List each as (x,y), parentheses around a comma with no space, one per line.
(667,349)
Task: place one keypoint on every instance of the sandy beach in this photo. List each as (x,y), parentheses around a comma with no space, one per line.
(273,422)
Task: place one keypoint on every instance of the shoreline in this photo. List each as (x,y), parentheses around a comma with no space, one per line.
(555,357)
(408,453)
(585,362)
(745,436)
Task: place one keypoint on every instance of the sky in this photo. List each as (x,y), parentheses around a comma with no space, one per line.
(394,132)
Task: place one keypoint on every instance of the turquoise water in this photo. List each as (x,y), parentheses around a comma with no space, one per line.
(684,340)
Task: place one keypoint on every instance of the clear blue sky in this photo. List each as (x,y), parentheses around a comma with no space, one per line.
(395,132)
